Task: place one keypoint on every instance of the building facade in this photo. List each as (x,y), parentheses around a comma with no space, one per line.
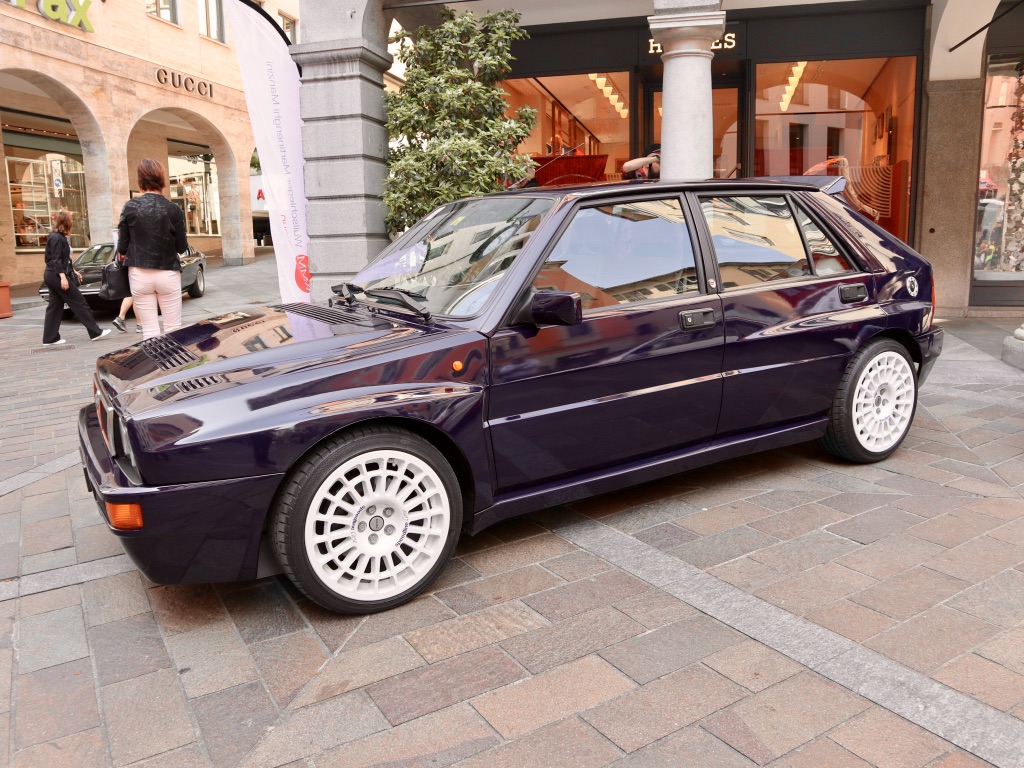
(87,90)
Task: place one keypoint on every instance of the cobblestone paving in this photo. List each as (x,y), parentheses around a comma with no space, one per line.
(784,610)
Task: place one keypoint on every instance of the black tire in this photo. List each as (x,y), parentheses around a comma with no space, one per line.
(850,435)
(385,546)
(198,288)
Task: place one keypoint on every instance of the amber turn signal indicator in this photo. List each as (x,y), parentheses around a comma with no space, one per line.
(457,366)
(125,517)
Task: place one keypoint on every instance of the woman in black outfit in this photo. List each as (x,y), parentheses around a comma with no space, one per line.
(62,280)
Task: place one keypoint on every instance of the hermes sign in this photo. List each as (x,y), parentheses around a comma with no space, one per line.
(726,43)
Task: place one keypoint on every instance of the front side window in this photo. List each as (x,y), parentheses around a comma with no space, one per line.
(211,19)
(453,260)
(756,239)
(164,9)
(623,253)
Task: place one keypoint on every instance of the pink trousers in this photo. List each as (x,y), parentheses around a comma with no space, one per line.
(151,287)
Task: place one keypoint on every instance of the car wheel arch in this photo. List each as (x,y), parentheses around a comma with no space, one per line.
(436,437)
(905,339)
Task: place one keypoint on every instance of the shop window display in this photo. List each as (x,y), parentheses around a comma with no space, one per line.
(192,180)
(582,130)
(849,117)
(41,184)
(999,240)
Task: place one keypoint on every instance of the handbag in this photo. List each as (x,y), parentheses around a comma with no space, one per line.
(114,285)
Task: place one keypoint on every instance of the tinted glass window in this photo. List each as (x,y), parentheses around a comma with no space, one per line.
(453,259)
(617,254)
(98,254)
(825,257)
(756,239)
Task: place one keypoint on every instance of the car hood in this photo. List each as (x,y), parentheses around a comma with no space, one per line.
(254,344)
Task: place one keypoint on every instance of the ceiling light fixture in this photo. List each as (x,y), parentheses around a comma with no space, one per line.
(600,81)
(792,81)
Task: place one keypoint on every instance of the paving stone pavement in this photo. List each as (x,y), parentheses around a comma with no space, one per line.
(783,609)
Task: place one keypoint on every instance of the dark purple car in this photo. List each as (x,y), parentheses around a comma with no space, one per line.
(508,353)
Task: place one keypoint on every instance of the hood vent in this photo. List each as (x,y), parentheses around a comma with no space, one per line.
(201,382)
(167,353)
(317,312)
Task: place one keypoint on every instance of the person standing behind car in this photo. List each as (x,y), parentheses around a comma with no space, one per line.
(151,234)
(62,280)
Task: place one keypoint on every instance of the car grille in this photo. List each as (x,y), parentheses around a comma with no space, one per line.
(325,314)
(167,353)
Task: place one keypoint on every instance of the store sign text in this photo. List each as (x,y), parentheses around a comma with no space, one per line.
(725,43)
(185,82)
(74,13)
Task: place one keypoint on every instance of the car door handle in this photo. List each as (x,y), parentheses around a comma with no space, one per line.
(697,319)
(852,293)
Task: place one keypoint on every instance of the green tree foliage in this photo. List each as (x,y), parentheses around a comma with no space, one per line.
(449,134)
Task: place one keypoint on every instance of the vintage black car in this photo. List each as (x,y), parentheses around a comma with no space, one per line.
(508,353)
(91,261)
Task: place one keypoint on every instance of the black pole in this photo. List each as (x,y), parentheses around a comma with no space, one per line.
(997,18)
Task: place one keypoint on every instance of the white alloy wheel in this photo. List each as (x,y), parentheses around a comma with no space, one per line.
(377,525)
(883,402)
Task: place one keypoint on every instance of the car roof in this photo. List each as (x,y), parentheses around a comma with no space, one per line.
(609,188)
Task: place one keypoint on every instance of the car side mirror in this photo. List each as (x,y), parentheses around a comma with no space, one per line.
(556,308)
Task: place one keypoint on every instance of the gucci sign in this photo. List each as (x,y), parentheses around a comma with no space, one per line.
(184,82)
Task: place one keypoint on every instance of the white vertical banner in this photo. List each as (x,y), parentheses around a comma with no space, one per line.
(271,82)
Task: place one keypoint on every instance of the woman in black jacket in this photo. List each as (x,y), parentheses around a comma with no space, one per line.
(62,280)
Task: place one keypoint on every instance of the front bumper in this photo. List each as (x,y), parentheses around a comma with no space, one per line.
(931,347)
(192,532)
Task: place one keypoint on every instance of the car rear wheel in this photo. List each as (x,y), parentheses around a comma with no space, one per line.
(875,404)
(368,521)
(198,288)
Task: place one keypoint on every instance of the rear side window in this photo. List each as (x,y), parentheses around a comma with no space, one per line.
(622,253)
(756,239)
(825,257)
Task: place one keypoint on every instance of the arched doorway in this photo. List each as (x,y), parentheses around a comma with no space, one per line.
(203,176)
(54,157)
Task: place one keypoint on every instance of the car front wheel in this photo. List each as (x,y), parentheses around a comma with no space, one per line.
(367,522)
(875,404)
(198,288)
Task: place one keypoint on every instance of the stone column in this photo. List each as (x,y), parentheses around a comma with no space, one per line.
(344,137)
(685,29)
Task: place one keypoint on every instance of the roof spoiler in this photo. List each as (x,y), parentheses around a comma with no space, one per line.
(832,185)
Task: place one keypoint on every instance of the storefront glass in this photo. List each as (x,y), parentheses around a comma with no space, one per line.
(999,241)
(193,186)
(582,130)
(848,117)
(41,184)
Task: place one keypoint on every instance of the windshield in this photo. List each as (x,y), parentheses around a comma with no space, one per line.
(452,260)
(97,255)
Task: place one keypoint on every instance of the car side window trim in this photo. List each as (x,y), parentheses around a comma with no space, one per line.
(801,203)
(692,233)
(713,255)
(847,241)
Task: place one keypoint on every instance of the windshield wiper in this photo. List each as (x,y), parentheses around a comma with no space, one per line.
(402,296)
(347,291)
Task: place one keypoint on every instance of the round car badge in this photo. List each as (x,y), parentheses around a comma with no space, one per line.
(912,286)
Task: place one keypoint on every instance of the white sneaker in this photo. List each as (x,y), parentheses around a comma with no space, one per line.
(55,343)
(104,332)
(138,329)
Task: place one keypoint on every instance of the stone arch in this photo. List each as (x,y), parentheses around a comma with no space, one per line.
(95,156)
(229,186)
(952,21)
